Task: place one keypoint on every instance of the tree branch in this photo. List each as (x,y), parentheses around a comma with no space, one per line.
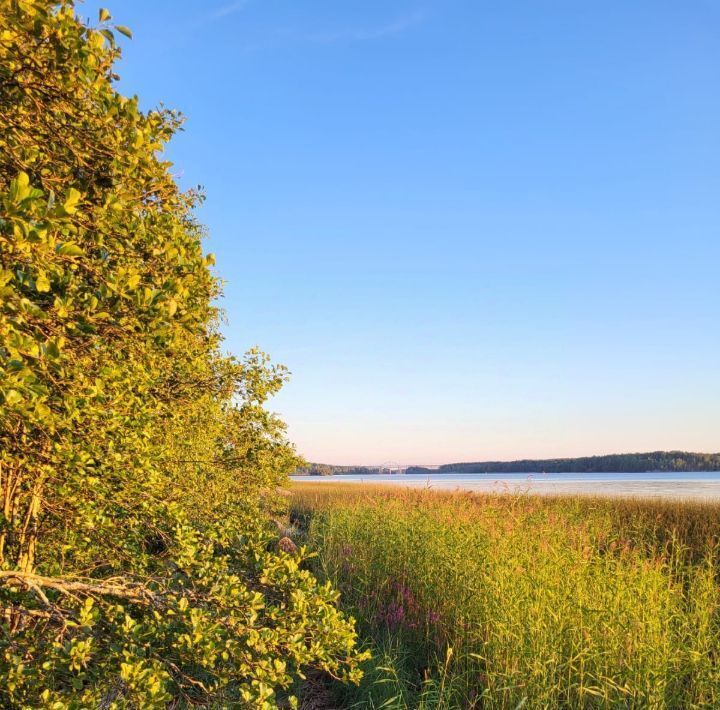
(135,593)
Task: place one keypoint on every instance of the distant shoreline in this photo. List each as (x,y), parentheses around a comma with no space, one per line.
(649,462)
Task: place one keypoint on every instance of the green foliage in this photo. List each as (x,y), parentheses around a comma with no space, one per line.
(324,469)
(611,463)
(508,601)
(137,463)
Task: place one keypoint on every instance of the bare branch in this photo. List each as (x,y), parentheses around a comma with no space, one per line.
(135,593)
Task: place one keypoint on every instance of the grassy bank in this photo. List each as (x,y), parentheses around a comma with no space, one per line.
(508,601)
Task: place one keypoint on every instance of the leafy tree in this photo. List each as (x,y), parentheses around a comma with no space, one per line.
(137,463)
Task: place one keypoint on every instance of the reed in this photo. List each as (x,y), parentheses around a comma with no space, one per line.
(502,601)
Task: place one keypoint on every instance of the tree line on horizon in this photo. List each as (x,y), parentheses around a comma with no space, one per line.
(326,469)
(663,461)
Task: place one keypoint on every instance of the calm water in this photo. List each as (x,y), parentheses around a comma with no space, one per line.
(701,484)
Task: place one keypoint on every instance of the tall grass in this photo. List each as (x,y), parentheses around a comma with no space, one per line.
(500,601)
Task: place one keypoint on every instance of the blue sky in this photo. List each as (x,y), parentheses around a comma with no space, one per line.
(472,230)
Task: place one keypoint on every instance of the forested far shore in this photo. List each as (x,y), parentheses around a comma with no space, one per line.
(326,469)
(612,463)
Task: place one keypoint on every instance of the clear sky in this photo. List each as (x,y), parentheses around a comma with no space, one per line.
(472,229)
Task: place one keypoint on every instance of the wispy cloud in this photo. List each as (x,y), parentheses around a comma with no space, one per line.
(229,9)
(396,27)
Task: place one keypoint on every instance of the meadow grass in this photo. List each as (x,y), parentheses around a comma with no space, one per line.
(507,601)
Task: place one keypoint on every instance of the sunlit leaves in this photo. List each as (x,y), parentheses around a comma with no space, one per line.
(12,397)
(21,190)
(71,200)
(42,283)
(131,449)
(69,249)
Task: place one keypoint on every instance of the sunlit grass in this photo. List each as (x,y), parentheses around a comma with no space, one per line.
(498,601)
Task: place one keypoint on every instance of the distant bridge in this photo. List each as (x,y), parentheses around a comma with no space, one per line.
(394,467)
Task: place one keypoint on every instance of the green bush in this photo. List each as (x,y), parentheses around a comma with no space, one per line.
(137,463)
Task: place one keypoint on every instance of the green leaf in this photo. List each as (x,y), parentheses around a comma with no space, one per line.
(19,187)
(51,349)
(42,283)
(42,410)
(103,14)
(71,200)
(124,30)
(132,282)
(12,397)
(69,249)
(5,276)
(109,36)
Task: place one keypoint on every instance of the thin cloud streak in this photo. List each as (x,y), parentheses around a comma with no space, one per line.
(230,9)
(397,27)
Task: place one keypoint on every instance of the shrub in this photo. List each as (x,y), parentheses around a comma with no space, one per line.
(137,463)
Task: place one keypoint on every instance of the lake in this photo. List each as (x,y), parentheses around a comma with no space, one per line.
(686,484)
